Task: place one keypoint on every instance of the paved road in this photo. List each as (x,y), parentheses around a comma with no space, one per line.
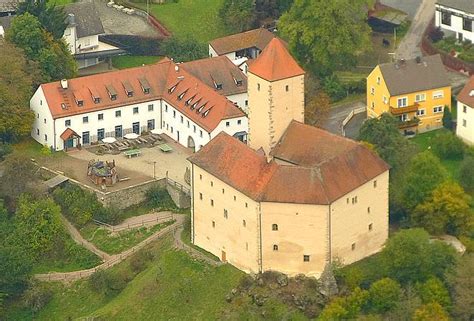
(338,114)
(410,46)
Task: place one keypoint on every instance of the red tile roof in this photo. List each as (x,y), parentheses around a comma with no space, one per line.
(68,133)
(160,77)
(466,96)
(299,173)
(275,63)
(258,38)
(218,70)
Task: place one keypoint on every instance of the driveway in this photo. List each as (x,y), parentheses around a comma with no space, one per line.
(119,23)
(409,47)
(338,114)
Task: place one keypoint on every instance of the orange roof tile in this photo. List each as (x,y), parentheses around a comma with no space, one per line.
(310,166)
(258,38)
(68,133)
(275,63)
(159,77)
(466,96)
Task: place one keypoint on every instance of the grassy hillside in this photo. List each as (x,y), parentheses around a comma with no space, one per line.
(172,287)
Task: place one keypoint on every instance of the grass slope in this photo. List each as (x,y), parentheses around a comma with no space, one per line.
(194,18)
(121,241)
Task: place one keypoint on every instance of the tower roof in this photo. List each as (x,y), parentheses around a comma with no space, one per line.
(275,63)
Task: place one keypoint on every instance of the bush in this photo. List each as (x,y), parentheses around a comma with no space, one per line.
(79,205)
(108,283)
(182,50)
(430,312)
(158,197)
(5,149)
(466,173)
(140,261)
(448,146)
(334,88)
(384,295)
(434,291)
(37,296)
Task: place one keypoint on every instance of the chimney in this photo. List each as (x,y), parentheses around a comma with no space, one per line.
(64,83)
(71,19)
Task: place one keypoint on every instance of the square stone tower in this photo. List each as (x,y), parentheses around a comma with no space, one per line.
(276,95)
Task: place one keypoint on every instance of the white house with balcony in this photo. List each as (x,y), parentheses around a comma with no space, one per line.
(456,18)
(465,114)
(82,35)
(161,97)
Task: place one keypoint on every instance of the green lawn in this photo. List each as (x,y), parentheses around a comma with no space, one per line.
(74,257)
(194,18)
(122,62)
(424,141)
(172,287)
(32,149)
(114,243)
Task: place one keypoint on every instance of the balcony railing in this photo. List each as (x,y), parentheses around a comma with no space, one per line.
(404,110)
(408,123)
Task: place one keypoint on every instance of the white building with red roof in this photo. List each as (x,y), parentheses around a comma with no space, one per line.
(162,97)
(465,114)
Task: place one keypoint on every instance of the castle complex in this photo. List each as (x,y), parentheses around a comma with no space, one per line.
(296,197)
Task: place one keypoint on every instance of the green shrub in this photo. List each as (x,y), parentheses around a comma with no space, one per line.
(448,146)
(434,291)
(107,282)
(140,261)
(158,197)
(466,173)
(37,296)
(5,149)
(384,295)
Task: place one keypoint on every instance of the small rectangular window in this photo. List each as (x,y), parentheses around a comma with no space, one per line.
(353,246)
(368,209)
(287,88)
(174,113)
(200,196)
(438,94)
(375,184)
(67,122)
(370,226)
(227,124)
(244,223)
(226,214)
(118,113)
(150,107)
(182,119)
(258,87)
(100,116)
(223,191)
(306,258)
(213,224)
(212,202)
(200,177)
(85,119)
(135,110)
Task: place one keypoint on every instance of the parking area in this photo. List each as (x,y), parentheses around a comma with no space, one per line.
(119,23)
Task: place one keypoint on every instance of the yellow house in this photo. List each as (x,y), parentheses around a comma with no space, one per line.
(415,91)
(297,197)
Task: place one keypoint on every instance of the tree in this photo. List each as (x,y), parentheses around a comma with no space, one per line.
(39,224)
(55,60)
(326,35)
(391,146)
(16,82)
(410,256)
(447,210)
(422,176)
(384,295)
(430,312)
(51,17)
(461,284)
(466,173)
(343,308)
(317,110)
(18,177)
(434,291)
(447,118)
(448,146)
(181,50)
(237,15)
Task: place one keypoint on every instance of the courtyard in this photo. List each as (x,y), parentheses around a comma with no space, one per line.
(151,163)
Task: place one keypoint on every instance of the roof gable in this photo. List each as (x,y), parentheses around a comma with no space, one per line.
(96,93)
(414,75)
(466,96)
(258,38)
(275,63)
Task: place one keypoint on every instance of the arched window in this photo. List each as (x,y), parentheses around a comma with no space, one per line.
(275,247)
(274,227)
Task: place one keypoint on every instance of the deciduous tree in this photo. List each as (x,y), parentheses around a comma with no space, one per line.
(430,312)
(422,176)
(447,210)
(461,283)
(466,173)
(326,35)
(51,17)
(384,295)
(447,118)
(317,109)
(448,146)
(182,50)
(410,256)
(237,15)
(433,290)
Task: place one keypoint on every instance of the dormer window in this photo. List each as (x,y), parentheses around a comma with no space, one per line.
(188,102)
(80,103)
(96,100)
(218,86)
(112,92)
(239,82)
(95,95)
(79,100)
(128,88)
(193,106)
(206,112)
(200,109)
(181,96)
(145,85)
(173,88)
